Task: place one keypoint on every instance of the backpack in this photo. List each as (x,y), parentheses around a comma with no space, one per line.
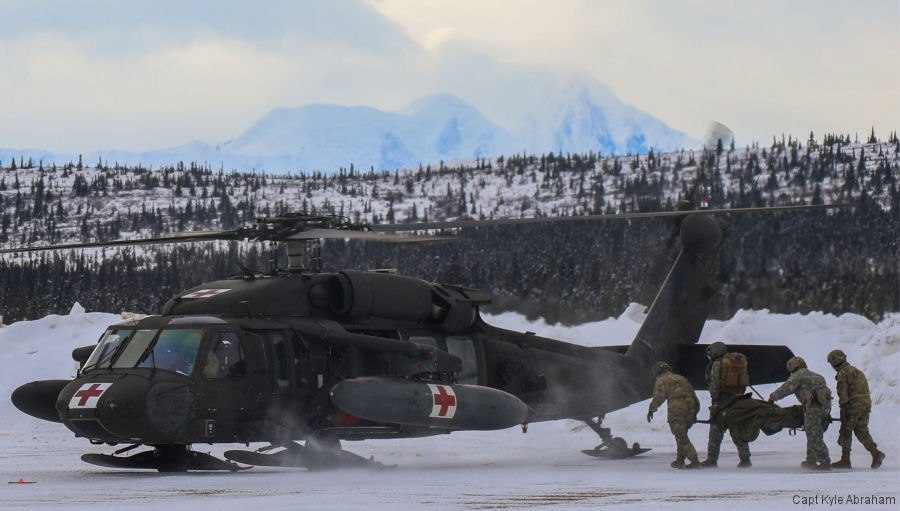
(735,377)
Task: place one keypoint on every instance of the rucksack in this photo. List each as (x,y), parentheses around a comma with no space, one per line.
(735,377)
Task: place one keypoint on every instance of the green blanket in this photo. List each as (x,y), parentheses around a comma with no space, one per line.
(746,417)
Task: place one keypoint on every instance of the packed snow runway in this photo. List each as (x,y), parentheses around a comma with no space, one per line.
(542,468)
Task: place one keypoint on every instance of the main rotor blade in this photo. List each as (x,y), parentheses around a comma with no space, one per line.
(311,234)
(423,226)
(181,237)
(379,232)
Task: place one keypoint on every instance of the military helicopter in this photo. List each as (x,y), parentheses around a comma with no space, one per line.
(298,354)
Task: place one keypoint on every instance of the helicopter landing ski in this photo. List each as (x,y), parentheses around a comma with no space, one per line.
(170,458)
(310,456)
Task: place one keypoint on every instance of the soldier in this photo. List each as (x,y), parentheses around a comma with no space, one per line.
(813,394)
(717,395)
(856,404)
(683,408)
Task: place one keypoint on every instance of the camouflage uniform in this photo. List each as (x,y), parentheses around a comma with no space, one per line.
(812,392)
(716,432)
(683,408)
(856,404)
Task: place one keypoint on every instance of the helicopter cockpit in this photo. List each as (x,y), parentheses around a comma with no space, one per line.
(178,379)
(169,349)
(172,347)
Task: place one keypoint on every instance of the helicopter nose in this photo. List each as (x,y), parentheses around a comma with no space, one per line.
(38,398)
(137,408)
(130,407)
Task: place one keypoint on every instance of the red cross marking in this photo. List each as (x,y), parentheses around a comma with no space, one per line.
(208,292)
(444,400)
(85,394)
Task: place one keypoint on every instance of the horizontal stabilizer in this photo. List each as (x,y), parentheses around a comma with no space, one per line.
(766,364)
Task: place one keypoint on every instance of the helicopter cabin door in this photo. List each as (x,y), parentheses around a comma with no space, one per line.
(232,386)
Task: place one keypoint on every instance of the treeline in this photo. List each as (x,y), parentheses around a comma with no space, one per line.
(842,261)
(839,261)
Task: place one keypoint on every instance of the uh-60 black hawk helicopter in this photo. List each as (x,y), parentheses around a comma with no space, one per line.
(298,354)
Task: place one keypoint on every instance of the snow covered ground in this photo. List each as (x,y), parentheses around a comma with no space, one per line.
(479,470)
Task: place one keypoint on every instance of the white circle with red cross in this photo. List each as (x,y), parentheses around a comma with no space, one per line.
(443,401)
(88,395)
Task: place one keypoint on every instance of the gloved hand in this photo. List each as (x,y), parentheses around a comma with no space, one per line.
(649,416)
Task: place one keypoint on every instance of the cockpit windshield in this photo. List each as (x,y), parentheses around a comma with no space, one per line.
(170,349)
(175,350)
(107,348)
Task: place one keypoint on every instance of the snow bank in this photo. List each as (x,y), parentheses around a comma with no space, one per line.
(874,349)
(471,469)
(42,350)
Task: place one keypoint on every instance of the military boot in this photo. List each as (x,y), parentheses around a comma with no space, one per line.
(745,463)
(811,465)
(877,458)
(693,464)
(844,462)
(677,464)
(709,463)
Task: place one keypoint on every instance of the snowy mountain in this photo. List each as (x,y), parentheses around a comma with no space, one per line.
(325,137)
(575,116)
(584,114)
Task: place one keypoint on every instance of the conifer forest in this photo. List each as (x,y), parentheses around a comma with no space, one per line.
(835,261)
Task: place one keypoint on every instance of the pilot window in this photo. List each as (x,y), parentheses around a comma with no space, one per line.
(175,350)
(464,348)
(225,357)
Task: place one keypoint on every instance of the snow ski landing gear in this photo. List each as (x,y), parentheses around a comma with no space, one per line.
(611,447)
(164,458)
(312,456)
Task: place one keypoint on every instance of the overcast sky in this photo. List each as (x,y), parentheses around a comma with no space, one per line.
(78,76)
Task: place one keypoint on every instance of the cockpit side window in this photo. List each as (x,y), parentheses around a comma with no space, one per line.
(106,349)
(225,357)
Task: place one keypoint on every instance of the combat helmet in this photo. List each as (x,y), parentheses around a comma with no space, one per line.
(659,368)
(795,363)
(836,358)
(716,350)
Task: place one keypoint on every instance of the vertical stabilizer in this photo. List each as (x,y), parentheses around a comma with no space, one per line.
(681,306)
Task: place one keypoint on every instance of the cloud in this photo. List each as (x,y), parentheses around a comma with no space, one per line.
(111,26)
(761,67)
(139,75)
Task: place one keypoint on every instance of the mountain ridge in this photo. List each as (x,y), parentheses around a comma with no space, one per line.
(579,116)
